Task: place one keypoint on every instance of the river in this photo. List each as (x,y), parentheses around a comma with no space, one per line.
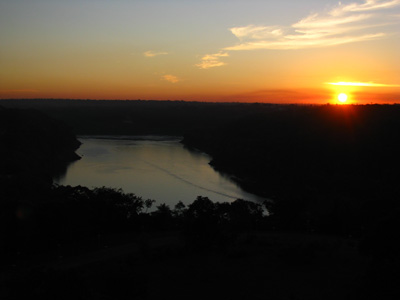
(152,167)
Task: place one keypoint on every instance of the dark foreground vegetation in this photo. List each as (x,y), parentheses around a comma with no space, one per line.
(74,242)
(331,231)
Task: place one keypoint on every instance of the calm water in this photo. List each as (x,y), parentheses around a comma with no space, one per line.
(158,168)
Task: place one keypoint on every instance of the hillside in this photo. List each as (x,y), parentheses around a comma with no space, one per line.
(34,147)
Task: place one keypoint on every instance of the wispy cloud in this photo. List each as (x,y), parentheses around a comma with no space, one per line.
(366,84)
(154,53)
(368,5)
(327,22)
(171,78)
(256,32)
(341,24)
(212,60)
(304,42)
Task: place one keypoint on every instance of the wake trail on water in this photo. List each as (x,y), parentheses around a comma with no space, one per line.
(187,181)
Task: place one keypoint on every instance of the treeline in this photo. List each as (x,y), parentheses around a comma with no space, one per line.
(50,219)
(48,223)
(44,220)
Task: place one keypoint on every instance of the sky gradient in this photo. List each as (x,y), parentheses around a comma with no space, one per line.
(221,50)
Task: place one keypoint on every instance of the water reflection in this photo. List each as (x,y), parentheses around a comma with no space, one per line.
(157,168)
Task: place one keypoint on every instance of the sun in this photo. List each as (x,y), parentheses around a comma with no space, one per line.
(342,97)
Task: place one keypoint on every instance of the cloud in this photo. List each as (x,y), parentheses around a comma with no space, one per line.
(316,21)
(366,84)
(256,32)
(212,60)
(304,42)
(153,53)
(171,78)
(368,5)
(342,24)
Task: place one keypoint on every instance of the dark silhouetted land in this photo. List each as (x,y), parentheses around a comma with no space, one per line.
(139,117)
(332,231)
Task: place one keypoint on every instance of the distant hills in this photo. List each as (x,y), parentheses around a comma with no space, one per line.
(138,117)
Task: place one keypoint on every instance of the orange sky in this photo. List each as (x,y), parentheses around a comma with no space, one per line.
(248,51)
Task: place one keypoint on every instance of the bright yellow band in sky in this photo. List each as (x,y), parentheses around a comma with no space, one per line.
(371,84)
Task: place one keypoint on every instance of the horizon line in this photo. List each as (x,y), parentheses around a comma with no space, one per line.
(203,101)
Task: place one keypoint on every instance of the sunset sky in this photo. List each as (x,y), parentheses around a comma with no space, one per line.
(282,51)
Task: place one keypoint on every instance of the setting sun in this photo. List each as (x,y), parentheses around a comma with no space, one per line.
(342,97)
